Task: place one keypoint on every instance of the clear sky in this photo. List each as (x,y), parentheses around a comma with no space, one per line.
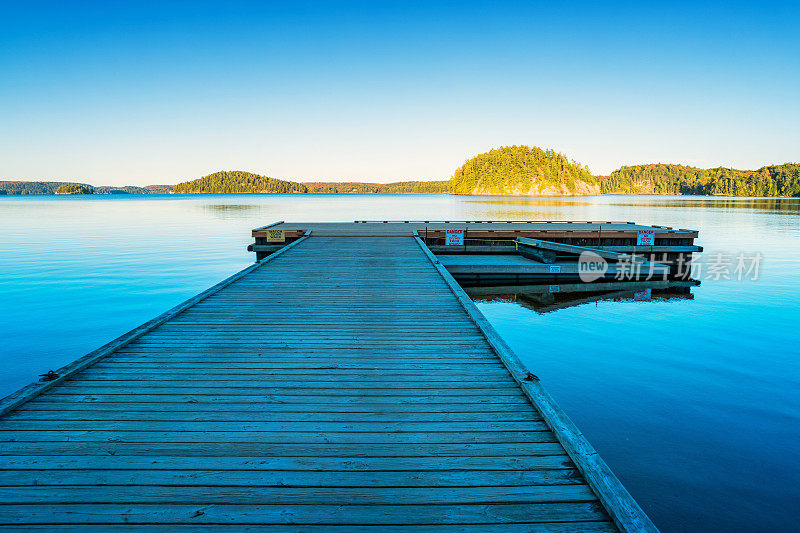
(140,93)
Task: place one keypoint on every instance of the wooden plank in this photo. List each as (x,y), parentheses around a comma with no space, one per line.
(287,464)
(312,365)
(288,495)
(253,360)
(483,513)
(309,375)
(250,382)
(267,427)
(94,477)
(360,407)
(307,379)
(276,437)
(256,389)
(279,449)
(330,389)
(531,527)
(270,399)
(377,416)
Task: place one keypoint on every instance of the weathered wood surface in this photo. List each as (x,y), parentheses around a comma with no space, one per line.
(537,229)
(303,395)
(526,244)
(517,264)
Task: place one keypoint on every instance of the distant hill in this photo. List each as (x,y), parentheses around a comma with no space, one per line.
(523,171)
(133,189)
(158,189)
(396,187)
(236,181)
(775,180)
(50,187)
(31,187)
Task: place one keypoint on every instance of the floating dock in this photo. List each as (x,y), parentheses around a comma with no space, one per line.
(490,237)
(344,382)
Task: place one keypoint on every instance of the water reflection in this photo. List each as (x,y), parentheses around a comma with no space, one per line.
(531,201)
(788,206)
(228,211)
(772,205)
(549,298)
(515,215)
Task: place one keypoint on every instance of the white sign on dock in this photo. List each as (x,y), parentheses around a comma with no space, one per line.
(555,269)
(454,237)
(646,237)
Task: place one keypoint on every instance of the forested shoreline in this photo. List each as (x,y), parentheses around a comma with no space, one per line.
(25,188)
(769,181)
(506,171)
(238,181)
(360,187)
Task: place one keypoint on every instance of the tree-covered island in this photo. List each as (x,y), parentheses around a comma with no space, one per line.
(523,171)
(74,188)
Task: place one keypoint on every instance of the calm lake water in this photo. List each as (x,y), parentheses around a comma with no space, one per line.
(694,403)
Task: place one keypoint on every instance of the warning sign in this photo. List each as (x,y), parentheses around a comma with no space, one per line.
(646,237)
(454,237)
(275,235)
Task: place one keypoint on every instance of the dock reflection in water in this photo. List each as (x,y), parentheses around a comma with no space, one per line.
(548,298)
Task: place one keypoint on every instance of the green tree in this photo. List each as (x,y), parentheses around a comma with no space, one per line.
(237,181)
(519,169)
(74,188)
(775,180)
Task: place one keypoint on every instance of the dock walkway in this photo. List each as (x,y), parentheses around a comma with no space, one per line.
(343,382)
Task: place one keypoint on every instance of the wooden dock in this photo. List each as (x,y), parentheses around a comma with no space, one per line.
(490,237)
(343,382)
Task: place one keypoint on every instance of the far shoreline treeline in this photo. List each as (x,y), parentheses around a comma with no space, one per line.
(506,171)
(237,181)
(24,188)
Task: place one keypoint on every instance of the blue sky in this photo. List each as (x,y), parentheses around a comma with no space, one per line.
(140,93)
